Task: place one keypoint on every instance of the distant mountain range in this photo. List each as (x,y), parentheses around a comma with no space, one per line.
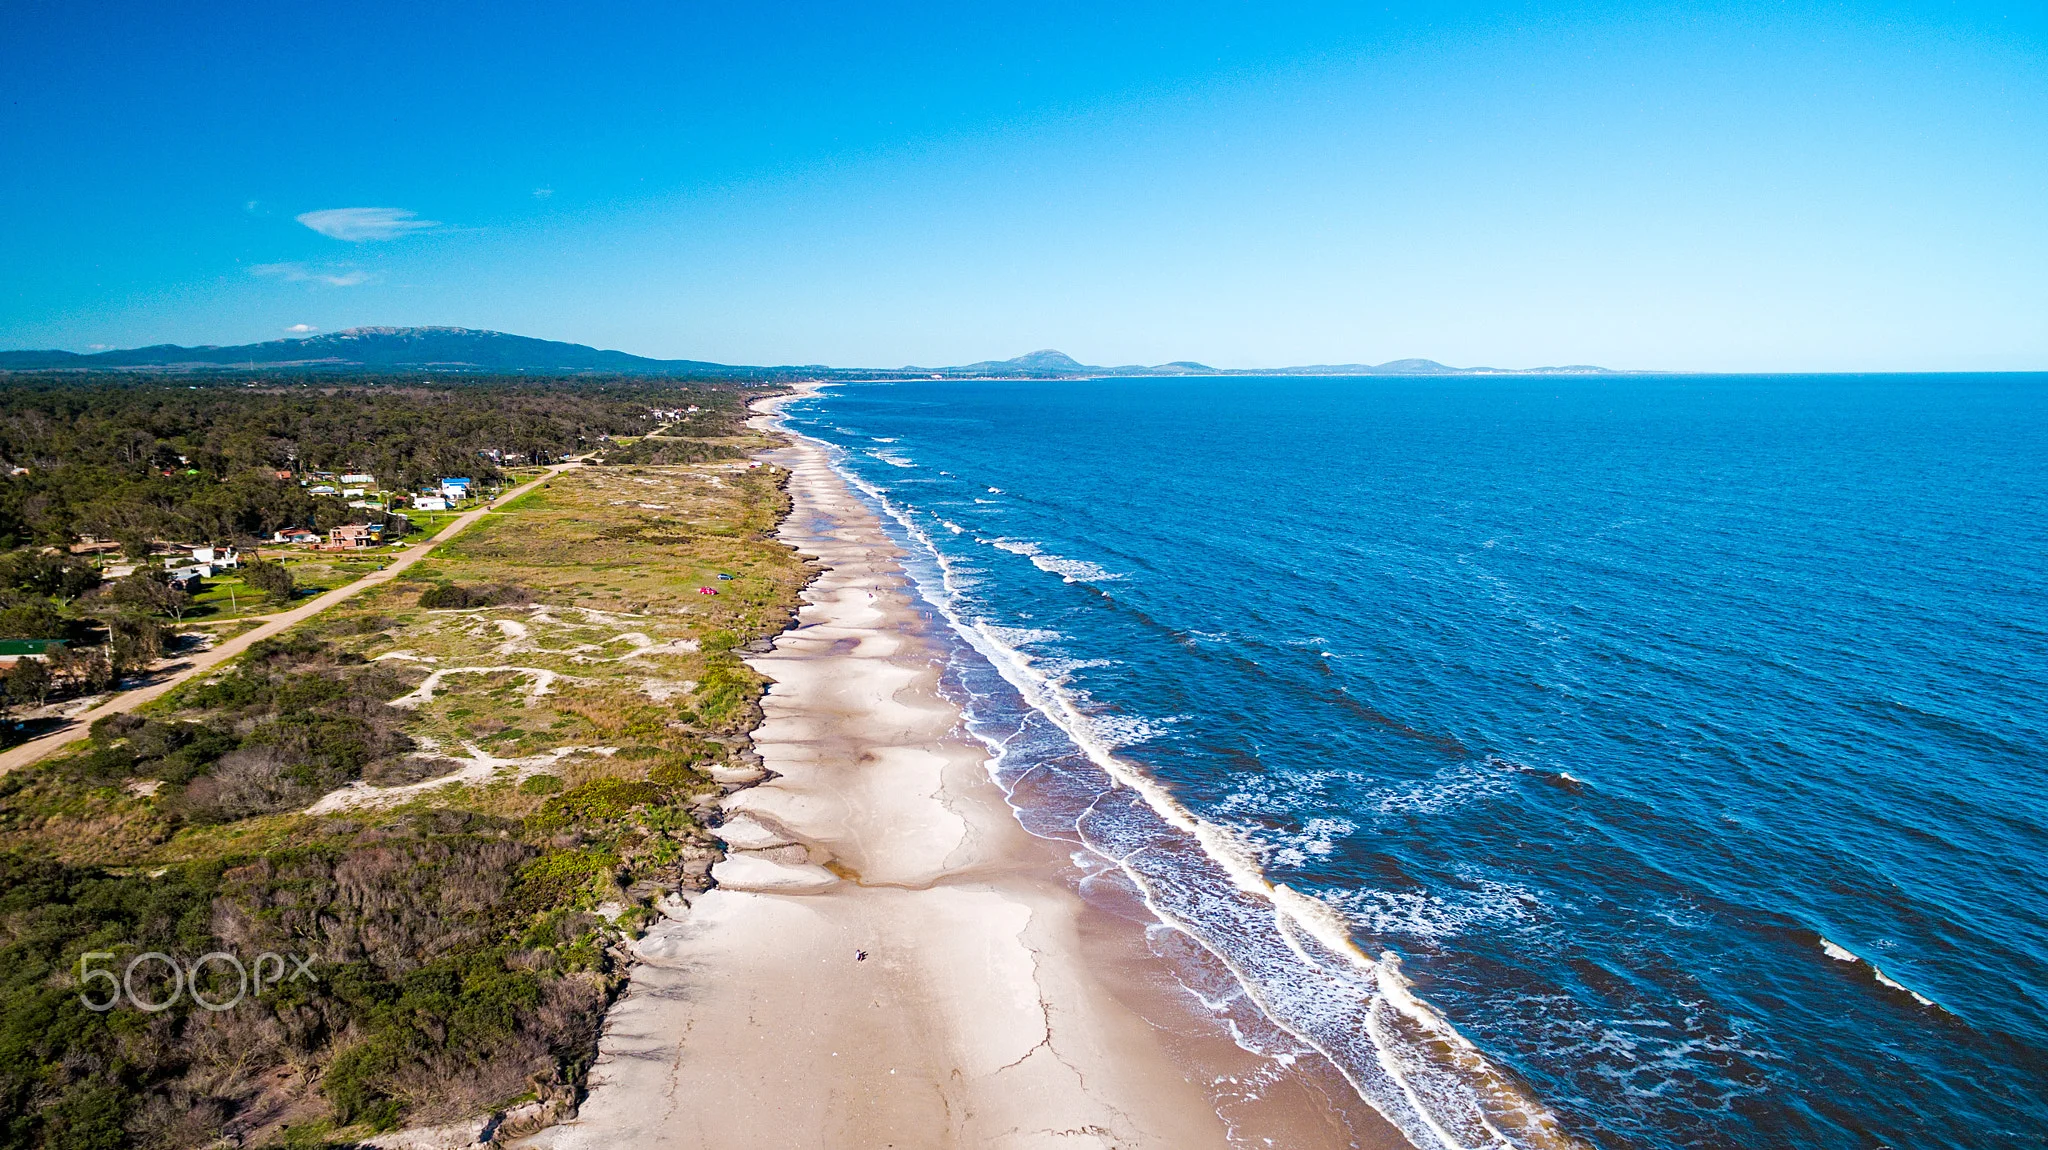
(457,349)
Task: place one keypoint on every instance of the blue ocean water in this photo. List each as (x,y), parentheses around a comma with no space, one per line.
(1676,741)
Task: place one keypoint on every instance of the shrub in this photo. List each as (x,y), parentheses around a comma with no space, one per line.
(555,879)
(455,595)
(676,777)
(599,800)
(540,785)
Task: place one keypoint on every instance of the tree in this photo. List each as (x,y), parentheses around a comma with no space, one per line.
(147,590)
(134,642)
(273,579)
(62,577)
(28,682)
(86,670)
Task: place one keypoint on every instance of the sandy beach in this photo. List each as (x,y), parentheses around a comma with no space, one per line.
(888,959)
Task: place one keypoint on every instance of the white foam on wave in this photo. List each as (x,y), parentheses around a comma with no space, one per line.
(890,458)
(1417,1070)
(1025,636)
(1842,953)
(1447,789)
(1071,570)
(1421,914)
(1316,838)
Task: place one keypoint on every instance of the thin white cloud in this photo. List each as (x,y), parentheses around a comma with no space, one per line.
(300,273)
(302,329)
(543,193)
(359,224)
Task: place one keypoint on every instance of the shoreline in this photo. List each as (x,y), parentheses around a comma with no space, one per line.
(888,958)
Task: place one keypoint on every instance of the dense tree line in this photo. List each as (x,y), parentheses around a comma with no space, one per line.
(198,457)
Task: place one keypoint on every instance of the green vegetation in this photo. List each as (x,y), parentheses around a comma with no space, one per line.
(198,457)
(451,796)
(146,463)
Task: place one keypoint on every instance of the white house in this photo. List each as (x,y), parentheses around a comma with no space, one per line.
(216,557)
(429,503)
(359,478)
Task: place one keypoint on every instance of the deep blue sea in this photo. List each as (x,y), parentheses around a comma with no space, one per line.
(1679,743)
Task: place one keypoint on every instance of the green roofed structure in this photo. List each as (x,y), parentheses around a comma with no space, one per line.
(13,650)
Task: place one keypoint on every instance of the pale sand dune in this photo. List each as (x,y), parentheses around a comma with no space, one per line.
(993,1008)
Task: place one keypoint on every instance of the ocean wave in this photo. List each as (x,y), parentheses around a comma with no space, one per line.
(1447,789)
(1023,636)
(1071,570)
(1317,837)
(1432,917)
(890,458)
(1842,953)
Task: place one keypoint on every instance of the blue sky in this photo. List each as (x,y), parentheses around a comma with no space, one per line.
(1718,187)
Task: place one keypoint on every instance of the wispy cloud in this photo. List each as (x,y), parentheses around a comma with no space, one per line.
(543,193)
(300,273)
(359,224)
(302,329)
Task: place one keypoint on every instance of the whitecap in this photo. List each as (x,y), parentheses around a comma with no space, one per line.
(1424,915)
(1839,954)
(1843,954)
(1071,570)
